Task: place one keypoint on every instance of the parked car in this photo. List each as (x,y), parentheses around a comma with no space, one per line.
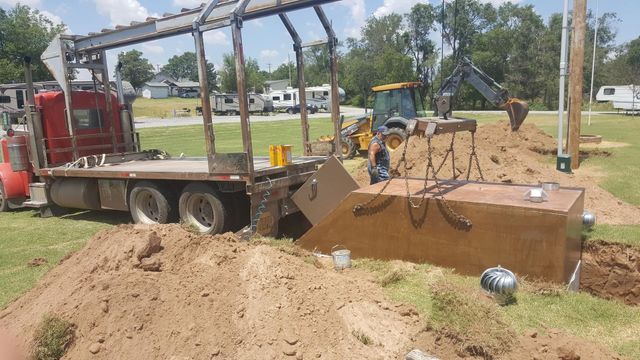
(190,94)
(312,109)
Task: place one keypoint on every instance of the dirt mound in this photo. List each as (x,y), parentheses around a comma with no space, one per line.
(137,292)
(611,271)
(552,345)
(513,157)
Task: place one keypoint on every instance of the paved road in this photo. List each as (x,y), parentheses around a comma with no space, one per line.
(142,123)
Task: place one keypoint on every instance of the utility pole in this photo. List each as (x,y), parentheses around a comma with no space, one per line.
(576,79)
(593,59)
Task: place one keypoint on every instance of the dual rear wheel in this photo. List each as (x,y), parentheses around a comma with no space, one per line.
(199,206)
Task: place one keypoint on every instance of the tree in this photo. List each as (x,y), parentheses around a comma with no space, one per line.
(463,20)
(135,69)
(379,57)
(254,79)
(24,32)
(420,24)
(282,72)
(185,66)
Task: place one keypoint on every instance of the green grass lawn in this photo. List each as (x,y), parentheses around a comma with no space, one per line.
(610,323)
(189,140)
(163,108)
(25,236)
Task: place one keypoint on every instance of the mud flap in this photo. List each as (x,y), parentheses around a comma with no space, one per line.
(324,191)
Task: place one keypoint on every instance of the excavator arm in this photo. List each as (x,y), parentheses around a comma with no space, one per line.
(489,88)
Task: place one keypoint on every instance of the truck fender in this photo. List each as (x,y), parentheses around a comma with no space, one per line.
(12,181)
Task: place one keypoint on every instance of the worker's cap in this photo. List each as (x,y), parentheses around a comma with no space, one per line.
(383,129)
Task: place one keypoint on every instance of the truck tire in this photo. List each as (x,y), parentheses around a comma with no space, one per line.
(348,148)
(149,203)
(200,206)
(4,203)
(395,138)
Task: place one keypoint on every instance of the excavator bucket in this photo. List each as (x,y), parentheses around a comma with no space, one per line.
(517,110)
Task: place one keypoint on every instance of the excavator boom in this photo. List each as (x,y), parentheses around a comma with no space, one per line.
(489,88)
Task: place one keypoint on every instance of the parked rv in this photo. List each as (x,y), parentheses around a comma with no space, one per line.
(228,104)
(319,96)
(624,97)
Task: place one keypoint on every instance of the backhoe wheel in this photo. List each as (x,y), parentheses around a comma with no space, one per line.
(200,207)
(348,148)
(149,203)
(4,203)
(395,138)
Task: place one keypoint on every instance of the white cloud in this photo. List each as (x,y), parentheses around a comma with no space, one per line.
(499,2)
(122,12)
(395,6)
(152,48)
(358,11)
(188,3)
(269,54)
(12,3)
(216,37)
(257,23)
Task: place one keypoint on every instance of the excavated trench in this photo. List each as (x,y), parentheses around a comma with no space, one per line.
(611,271)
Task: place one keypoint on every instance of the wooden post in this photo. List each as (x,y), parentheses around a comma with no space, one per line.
(576,73)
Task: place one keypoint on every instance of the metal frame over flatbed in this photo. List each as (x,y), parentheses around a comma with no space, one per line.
(116,174)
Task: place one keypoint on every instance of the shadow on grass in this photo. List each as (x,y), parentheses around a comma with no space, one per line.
(109,217)
(105,217)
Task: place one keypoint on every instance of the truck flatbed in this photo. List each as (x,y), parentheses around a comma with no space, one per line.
(191,168)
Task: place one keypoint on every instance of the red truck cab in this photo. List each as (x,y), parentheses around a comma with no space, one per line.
(94,135)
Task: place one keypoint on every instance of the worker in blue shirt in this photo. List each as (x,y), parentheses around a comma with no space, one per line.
(378,164)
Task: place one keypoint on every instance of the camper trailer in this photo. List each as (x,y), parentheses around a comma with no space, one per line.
(624,97)
(319,96)
(228,104)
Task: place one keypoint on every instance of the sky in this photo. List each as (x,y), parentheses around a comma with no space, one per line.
(266,39)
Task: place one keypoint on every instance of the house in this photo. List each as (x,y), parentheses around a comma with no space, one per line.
(161,77)
(275,85)
(155,90)
(178,88)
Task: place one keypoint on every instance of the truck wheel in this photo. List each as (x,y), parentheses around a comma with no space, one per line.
(395,138)
(200,206)
(4,203)
(290,111)
(348,148)
(151,204)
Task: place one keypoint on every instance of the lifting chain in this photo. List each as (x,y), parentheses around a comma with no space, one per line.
(458,221)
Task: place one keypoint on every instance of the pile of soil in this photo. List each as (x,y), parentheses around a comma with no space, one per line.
(611,271)
(513,157)
(137,292)
(141,292)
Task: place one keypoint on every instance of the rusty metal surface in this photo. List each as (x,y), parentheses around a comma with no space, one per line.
(540,240)
(437,126)
(302,94)
(179,24)
(323,191)
(243,102)
(179,169)
(207,116)
(333,71)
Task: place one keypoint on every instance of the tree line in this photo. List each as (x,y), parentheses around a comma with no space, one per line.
(512,43)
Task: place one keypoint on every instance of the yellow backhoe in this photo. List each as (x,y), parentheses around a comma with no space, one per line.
(395,104)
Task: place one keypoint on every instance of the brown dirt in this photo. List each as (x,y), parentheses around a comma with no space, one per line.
(517,158)
(136,292)
(552,345)
(611,271)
